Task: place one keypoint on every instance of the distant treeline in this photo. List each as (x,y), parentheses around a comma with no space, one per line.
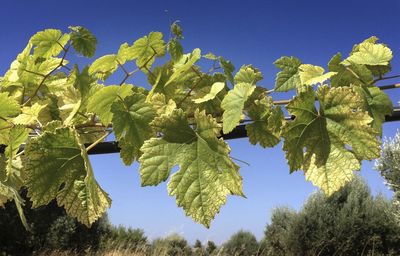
(351,222)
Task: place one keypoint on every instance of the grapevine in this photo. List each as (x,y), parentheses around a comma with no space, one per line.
(53,114)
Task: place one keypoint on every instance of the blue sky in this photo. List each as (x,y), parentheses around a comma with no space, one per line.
(246,32)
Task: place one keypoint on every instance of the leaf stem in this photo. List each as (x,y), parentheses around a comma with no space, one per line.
(46,76)
(97,141)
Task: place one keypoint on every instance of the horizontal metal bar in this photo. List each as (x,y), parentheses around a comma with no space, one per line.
(108,147)
(237,133)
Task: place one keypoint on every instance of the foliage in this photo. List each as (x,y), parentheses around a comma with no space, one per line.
(122,238)
(242,243)
(172,245)
(211,247)
(51,228)
(389,167)
(68,110)
(350,222)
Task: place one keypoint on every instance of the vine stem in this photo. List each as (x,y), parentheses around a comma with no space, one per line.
(128,74)
(47,75)
(97,141)
(191,89)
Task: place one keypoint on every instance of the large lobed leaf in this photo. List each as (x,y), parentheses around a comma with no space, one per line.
(58,167)
(131,123)
(206,175)
(329,143)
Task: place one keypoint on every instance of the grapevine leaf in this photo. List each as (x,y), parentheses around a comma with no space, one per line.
(104,66)
(100,103)
(145,49)
(267,123)
(175,50)
(58,167)
(228,68)
(210,56)
(30,114)
(317,138)
(248,74)
(82,81)
(161,105)
(206,175)
(131,124)
(185,63)
(215,89)
(17,135)
(157,161)
(288,78)
(344,77)
(9,106)
(377,103)
(49,43)
(176,30)
(233,105)
(83,41)
(370,54)
(174,127)
(311,75)
(336,172)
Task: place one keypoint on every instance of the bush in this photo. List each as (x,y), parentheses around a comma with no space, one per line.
(350,222)
(389,167)
(51,228)
(172,245)
(243,243)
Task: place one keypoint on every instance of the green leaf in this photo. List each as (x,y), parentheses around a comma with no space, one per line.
(104,66)
(228,68)
(210,56)
(377,103)
(215,89)
(288,78)
(157,161)
(30,114)
(131,124)
(101,102)
(311,75)
(58,166)
(16,136)
(176,30)
(370,54)
(206,175)
(49,43)
(9,106)
(267,123)
(248,74)
(346,78)
(233,105)
(145,49)
(82,81)
(161,105)
(185,63)
(83,41)
(175,50)
(315,140)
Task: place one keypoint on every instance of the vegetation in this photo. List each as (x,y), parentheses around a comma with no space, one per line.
(53,113)
(350,222)
(242,243)
(389,167)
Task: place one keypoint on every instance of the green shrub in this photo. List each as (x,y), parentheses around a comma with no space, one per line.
(172,245)
(350,222)
(242,243)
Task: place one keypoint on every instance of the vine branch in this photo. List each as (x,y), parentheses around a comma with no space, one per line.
(46,76)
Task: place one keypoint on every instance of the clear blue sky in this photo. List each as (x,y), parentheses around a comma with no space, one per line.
(256,32)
